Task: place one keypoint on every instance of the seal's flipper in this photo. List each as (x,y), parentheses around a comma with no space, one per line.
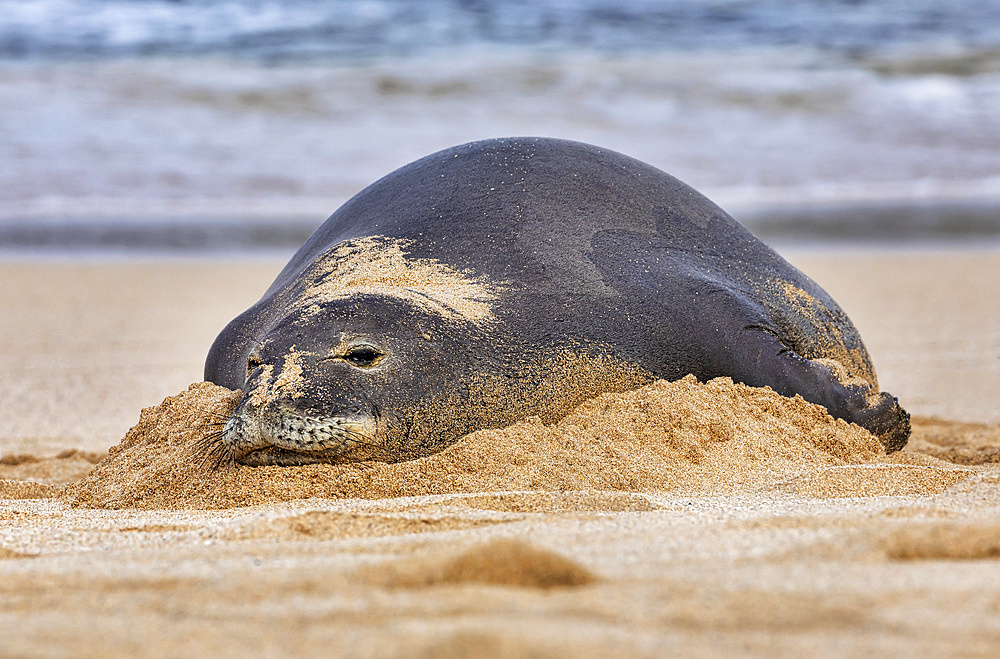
(761,358)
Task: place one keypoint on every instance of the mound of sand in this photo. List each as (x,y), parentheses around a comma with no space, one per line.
(502,561)
(681,437)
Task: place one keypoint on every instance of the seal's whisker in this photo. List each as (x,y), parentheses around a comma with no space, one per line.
(224,455)
(215,452)
(211,437)
(219,455)
(208,443)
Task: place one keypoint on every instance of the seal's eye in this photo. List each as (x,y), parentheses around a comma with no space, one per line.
(363,356)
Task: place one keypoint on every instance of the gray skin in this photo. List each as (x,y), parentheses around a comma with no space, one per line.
(593,253)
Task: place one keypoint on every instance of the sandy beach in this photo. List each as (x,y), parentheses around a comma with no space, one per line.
(819,546)
(163,159)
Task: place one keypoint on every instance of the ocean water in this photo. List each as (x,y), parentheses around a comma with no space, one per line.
(210,124)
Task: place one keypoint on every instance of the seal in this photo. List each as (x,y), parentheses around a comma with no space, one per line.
(508,278)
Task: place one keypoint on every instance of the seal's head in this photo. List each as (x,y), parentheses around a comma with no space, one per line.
(349,379)
(372,354)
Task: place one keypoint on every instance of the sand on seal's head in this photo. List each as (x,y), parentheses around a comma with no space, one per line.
(681,437)
(379,265)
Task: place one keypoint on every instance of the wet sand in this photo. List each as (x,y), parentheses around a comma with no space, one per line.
(818,546)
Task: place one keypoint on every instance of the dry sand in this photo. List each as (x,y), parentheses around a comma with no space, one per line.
(681,518)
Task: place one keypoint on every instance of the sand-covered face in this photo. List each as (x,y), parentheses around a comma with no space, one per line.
(344,382)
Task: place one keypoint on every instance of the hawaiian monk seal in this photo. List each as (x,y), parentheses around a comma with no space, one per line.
(514,277)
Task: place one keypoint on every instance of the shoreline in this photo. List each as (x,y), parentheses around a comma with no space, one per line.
(276,224)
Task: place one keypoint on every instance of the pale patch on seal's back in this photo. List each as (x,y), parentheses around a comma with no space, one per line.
(378,265)
(849,366)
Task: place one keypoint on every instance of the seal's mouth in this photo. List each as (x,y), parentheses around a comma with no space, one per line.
(287,438)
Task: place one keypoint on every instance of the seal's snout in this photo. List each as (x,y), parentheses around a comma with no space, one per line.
(285,432)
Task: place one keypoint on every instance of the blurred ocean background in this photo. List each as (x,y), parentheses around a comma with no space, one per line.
(241,125)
